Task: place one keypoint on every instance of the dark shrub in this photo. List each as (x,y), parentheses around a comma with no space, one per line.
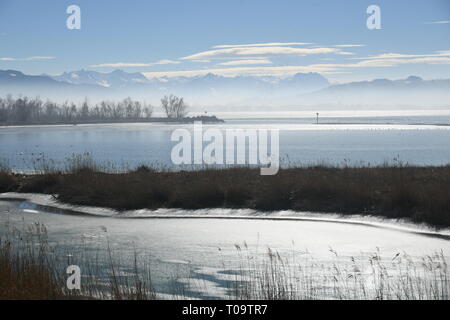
(7,182)
(43,183)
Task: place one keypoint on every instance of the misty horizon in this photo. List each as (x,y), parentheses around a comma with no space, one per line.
(210,91)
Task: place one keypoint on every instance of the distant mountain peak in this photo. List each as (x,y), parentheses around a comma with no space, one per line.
(11,72)
(414,79)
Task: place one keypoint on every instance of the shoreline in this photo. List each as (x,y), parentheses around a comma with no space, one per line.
(49,201)
(289,127)
(161,120)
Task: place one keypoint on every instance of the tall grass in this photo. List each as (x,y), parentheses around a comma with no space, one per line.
(26,270)
(371,277)
(31,268)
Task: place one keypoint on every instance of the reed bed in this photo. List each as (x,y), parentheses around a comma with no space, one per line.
(371,277)
(31,268)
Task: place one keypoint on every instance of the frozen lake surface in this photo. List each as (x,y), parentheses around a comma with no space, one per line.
(205,248)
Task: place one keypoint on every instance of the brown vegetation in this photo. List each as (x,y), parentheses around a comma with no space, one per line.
(421,194)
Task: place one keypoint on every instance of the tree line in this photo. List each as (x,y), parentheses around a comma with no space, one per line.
(25,110)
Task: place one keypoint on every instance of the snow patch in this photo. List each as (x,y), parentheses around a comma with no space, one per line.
(104,83)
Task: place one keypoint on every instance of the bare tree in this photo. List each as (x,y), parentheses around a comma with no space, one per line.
(174,107)
(84,113)
(165,106)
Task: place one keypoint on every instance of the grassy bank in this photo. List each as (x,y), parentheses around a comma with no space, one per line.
(421,194)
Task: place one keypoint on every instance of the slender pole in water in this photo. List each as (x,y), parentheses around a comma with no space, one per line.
(317,117)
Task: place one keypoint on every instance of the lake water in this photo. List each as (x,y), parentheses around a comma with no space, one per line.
(420,140)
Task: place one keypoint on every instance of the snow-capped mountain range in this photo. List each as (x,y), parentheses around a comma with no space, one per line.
(116,78)
(215,90)
(304,82)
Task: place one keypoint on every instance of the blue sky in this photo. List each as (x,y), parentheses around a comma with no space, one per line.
(231,37)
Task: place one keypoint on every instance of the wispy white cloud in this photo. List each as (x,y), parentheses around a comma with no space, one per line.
(34,58)
(133,64)
(349,45)
(245,62)
(165,61)
(442,53)
(394,62)
(430,60)
(255,51)
(345,53)
(394,59)
(439,22)
(268,44)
